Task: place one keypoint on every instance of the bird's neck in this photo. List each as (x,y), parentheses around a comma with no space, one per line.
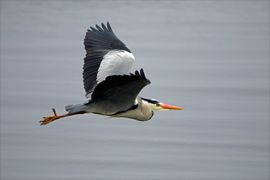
(146,108)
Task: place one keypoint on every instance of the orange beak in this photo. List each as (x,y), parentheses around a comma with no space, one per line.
(170,107)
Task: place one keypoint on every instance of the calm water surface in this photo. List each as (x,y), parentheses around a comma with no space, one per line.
(212,57)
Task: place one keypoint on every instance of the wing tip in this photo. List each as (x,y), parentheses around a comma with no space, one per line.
(141,75)
(101,28)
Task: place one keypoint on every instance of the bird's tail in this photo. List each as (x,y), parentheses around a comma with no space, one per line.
(75,108)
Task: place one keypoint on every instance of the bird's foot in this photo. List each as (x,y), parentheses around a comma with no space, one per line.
(48,119)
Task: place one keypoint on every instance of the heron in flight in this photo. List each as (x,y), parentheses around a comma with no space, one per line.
(111,88)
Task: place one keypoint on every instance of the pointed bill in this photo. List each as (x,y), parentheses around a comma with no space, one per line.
(170,107)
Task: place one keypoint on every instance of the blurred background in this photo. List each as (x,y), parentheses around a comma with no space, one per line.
(211,57)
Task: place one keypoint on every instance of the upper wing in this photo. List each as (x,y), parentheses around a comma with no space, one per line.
(120,90)
(106,55)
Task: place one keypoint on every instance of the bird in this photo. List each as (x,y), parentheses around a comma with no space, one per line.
(111,88)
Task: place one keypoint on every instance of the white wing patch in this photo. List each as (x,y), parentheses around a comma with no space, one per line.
(115,62)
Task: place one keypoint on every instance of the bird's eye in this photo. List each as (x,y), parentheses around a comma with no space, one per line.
(157,104)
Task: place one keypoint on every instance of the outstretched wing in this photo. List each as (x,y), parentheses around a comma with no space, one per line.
(120,90)
(106,55)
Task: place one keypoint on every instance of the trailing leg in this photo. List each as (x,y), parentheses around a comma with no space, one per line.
(49,119)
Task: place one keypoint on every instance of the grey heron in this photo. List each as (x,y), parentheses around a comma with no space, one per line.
(111,88)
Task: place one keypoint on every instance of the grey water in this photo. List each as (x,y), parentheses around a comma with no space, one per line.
(211,57)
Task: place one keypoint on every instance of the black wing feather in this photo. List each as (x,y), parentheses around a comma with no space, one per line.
(102,38)
(120,90)
(98,42)
(99,28)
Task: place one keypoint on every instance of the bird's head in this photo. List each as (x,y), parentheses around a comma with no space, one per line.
(156,105)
